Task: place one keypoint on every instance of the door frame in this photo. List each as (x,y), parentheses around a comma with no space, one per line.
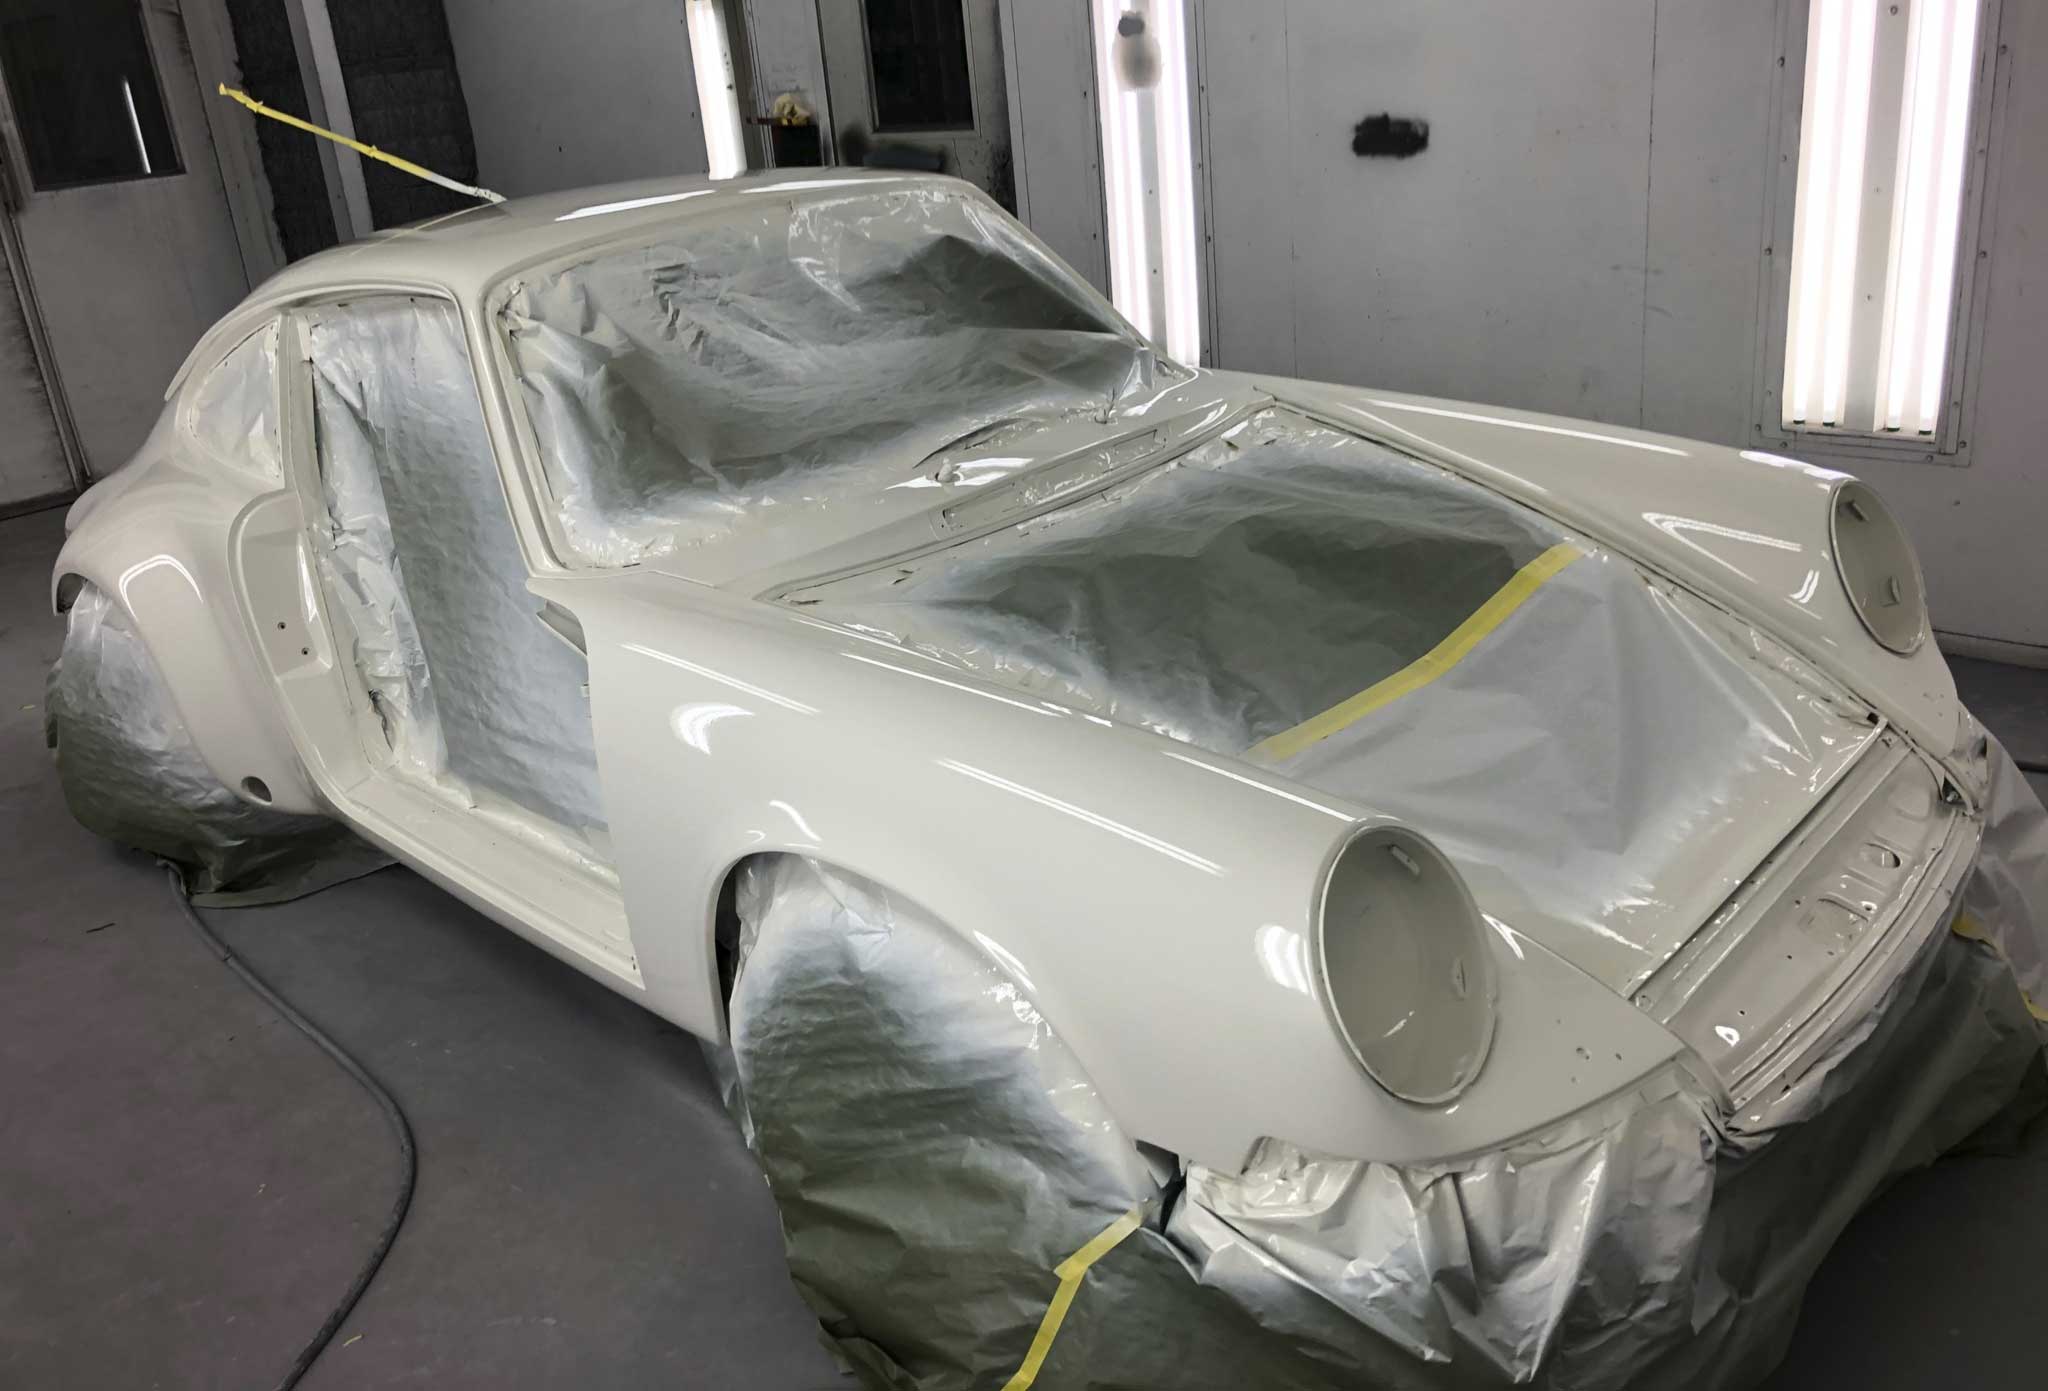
(13,193)
(17,187)
(570,906)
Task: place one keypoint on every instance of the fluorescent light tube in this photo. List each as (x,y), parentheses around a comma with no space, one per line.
(1896,351)
(1148,169)
(1845,218)
(718,100)
(1941,276)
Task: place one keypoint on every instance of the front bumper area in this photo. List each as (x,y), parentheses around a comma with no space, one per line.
(951,1189)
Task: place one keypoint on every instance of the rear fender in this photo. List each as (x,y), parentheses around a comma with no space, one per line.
(159,539)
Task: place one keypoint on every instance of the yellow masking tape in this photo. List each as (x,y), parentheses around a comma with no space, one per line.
(1070,1272)
(1968,927)
(367,151)
(1427,667)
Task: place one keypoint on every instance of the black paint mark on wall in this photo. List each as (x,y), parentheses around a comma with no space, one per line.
(1390,137)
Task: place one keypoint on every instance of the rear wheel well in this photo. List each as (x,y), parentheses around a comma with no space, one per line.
(69,585)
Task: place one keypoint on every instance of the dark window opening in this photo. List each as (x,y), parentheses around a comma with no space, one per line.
(85,92)
(917,58)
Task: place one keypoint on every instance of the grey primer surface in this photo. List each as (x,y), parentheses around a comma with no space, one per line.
(586,1214)
(476,697)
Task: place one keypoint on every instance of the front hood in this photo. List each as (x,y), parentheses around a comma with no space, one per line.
(1745,529)
(1605,756)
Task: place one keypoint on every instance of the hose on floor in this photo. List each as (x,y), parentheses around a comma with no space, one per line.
(407,1155)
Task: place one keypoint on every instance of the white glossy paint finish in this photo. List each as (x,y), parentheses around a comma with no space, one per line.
(1746,530)
(1158,903)
(1155,902)
(156,538)
(1606,249)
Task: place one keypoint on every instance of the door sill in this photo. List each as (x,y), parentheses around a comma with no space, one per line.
(544,899)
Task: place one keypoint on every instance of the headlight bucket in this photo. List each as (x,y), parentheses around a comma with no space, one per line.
(1404,965)
(1878,568)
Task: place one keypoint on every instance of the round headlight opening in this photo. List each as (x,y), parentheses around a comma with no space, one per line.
(1405,967)
(1878,568)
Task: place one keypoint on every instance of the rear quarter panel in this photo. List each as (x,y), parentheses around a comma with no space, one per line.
(157,538)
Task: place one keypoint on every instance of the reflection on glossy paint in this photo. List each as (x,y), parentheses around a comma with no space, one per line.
(1295,798)
(692,723)
(1825,477)
(1727,1035)
(1283,956)
(1677,527)
(1807,587)
(956,685)
(141,568)
(730,682)
(1095,819)
(972,474)
(1672,526)
(629,204)
(1476,418)
(804,185)
(1507,934)
(1005,959)
(803,827)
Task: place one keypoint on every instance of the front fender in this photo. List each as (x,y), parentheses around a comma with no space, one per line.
(1745,529)
(1156,902)
(156,537)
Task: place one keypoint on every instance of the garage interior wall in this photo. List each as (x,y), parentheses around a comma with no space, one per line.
(787,52)
(565,95)
(1584,233)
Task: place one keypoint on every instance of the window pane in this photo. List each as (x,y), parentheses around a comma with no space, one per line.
(917,53)
(85,93)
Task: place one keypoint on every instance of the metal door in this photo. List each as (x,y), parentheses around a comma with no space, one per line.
(123,230)
(35,466)
(912,83)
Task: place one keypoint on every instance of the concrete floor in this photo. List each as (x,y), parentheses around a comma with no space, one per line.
(186,1185)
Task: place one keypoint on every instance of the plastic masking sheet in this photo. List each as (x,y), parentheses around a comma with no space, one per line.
(1603,765)
(795,354)
(131,773)
(937,1155)
(476,698)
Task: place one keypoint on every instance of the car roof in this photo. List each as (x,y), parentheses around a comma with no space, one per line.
(469,251)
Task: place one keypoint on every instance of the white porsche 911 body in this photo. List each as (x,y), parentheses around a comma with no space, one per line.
(1388,777)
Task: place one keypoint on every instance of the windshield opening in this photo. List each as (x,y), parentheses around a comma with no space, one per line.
(793,354)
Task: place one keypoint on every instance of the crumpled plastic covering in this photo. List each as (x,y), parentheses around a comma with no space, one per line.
(936,1151)
(131,773)
(2014,887)
(1608,737)
(477,699)
(234,410)
(790,354)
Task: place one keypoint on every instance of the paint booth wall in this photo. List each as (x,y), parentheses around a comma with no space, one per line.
(1584,233)
(569,95)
